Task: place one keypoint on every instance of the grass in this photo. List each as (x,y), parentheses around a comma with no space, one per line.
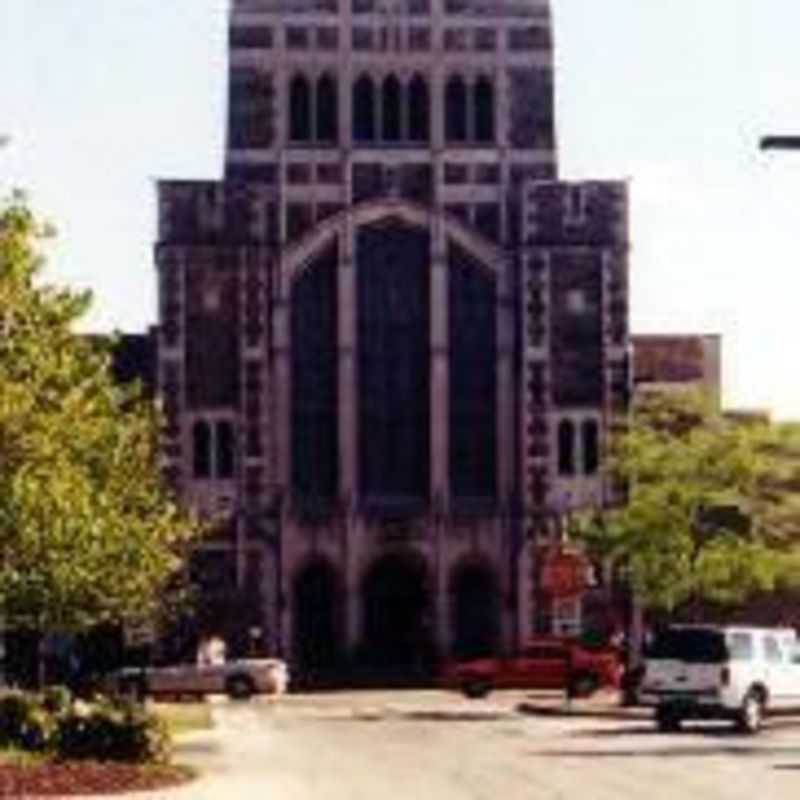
(185,717)
(11,756)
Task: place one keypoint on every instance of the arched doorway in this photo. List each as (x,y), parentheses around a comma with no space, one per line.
(317,632)
(475,610)
(398,618)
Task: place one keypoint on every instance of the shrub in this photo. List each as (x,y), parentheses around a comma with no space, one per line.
(113,732)
(101,731)
(38,730)
(57,699)
(14,709)
(25,722)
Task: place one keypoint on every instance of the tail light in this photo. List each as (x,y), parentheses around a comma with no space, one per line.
(725,676)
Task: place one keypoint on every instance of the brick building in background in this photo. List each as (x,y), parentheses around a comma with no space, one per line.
(391,342)
(679,362)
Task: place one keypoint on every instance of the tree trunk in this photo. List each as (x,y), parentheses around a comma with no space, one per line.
(41,662)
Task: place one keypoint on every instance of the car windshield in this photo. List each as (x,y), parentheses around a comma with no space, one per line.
(694,645)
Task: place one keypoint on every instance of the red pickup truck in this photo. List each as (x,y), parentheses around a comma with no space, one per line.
(545,663)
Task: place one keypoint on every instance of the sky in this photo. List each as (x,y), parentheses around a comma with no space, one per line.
(103,97)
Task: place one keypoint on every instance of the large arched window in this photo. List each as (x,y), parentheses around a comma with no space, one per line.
(391,113)
(327,110)
(314,361)
(299,110)
(201,450)
(364,110)
(455,102)
(473,377)
(418,110)
(484,111)
(591,447)
(393,314)
(566,448)
(225,450)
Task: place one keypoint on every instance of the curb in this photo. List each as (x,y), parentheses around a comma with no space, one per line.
(585,711)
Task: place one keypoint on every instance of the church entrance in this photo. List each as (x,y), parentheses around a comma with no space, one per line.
(397,643)
(317,630)
(475,609)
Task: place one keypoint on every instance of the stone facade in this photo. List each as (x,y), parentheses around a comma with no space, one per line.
(392,344)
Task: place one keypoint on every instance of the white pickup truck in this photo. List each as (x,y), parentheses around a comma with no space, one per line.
(726,672)
(238,678)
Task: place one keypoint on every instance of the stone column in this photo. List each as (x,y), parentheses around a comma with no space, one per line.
(440,431)
(352,600)
(347,376)
(506,406)
(281,330)
(524,575)
(348,425)
(283,390)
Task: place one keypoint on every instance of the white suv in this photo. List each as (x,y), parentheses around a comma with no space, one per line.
(730,672)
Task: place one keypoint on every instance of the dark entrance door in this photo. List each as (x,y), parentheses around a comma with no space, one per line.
(397,623)
(476,612)
(317,639)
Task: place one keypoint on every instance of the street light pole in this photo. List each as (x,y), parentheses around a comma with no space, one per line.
(779,143)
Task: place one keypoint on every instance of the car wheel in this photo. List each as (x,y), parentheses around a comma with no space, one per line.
(668,720)
(240,687)
(583,685)
(751,714)
(475,688)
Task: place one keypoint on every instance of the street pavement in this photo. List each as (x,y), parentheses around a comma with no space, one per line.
(349,746)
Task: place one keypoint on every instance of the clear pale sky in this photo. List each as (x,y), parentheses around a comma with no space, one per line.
(102,97)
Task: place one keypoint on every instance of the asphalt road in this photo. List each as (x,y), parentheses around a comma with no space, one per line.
(433,745)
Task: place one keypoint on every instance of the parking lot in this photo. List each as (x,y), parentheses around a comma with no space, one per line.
(431,744)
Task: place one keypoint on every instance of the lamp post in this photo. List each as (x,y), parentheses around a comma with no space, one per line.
(773,142)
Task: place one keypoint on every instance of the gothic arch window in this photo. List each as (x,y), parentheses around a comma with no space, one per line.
(299,110)
(327,110)
(566,448)
(591,446)
(364,110)
(391,110)
(473,377)
(314,389)
(393,317)
(225,450)
(455,103)
(201,449)
(418,110)
(484,110)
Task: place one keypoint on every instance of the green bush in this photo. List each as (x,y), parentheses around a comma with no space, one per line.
(14,709)
(102,731)
(39,730)
(111,732)
(57,699)
(25,722)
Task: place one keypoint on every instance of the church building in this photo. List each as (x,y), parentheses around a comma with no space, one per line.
(392,343)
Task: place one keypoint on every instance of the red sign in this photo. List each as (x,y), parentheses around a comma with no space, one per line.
(564,573)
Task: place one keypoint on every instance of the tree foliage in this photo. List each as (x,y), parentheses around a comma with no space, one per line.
(88,531)
(712,506)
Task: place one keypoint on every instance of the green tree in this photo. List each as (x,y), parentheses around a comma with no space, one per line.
(88,531)
(712,511)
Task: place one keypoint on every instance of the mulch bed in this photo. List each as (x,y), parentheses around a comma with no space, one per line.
(63,779)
